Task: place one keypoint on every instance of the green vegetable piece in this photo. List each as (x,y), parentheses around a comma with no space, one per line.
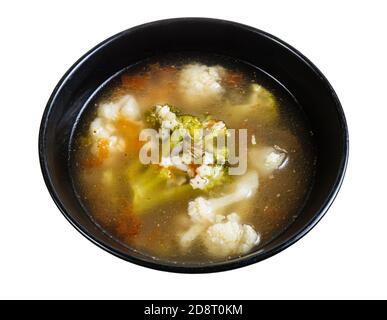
(190,123)
(151,187)
(218,179)
(264,102)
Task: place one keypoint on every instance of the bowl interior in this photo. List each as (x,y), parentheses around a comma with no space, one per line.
(282,62)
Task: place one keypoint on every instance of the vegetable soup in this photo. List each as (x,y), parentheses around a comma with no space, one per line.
(186,202)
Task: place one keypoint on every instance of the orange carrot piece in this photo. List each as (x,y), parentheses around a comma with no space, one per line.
(130,131)
(129,224)
(234,78)
(103,149)
(102,154)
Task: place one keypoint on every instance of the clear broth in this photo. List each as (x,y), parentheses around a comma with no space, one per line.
(274,207)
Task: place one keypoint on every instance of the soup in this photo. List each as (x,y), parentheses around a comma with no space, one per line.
(227,169)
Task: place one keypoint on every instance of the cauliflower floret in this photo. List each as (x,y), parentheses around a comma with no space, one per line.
(198,182)
(230,237)
(167,117)
(109,111)
(103,127)
(129,107)
(244,189)
(201,81)
(201,178)
(215,129)
(175,161)
(202,216)
(98,129)
(200,210)
(204,170)
(249,239)
(126,106)
(191,235)
(116,144)
(216,133)
(178,162)
(186,128)
(207,175)
(268,159)
(206,212)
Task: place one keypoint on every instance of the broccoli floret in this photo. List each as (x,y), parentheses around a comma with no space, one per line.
(210,176)
(219,178)
(213,172)
(265,102)
(215,130)
(158,114)
(151,118)
(217,181)
(260,101)
(262,97)
(190,123)
(153,186)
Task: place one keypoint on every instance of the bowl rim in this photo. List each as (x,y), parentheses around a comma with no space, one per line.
(180,267)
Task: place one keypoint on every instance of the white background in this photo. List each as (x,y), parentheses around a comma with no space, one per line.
(43,256)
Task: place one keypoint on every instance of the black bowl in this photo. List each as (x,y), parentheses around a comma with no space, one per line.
(306,83)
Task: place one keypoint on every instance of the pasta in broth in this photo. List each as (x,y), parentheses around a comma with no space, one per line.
(175,209)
